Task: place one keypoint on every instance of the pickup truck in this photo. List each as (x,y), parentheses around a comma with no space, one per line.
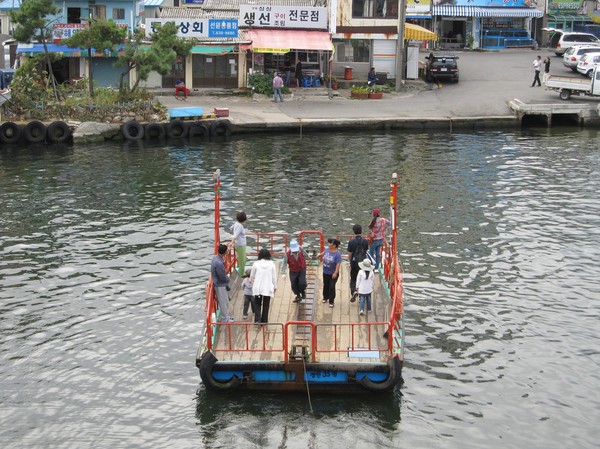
(568,85)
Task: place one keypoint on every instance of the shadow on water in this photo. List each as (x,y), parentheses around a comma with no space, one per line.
(219,413)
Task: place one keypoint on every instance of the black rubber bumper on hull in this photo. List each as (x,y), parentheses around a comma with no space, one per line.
(207,365)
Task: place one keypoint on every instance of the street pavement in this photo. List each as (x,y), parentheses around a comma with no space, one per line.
(488,81)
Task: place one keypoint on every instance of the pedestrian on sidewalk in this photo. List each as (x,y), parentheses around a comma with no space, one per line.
(299,74)
(537,65)
(277,85)
(372,77)
(546,69)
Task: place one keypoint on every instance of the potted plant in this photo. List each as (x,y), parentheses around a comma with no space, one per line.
(360,92)
(376,92)
(334,83)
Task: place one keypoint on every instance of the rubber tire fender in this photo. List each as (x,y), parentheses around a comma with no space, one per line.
(132,130)
(207,362)
(220,128)
(177,129)
(198,130)
(395,376)
(154,131)
(58,132)
(35,132)
(10,132)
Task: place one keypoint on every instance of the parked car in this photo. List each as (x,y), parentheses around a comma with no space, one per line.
(440,66)
(573,55)
(587,63)
(561,40)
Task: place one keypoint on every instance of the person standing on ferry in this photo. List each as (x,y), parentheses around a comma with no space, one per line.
(378,227)
(263,277)
(220,282)
(295,259)
(239,239)
(332,260)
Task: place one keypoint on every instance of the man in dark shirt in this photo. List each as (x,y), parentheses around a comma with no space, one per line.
(357,252)
(220,282)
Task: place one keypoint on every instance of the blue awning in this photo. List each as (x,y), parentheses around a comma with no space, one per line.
(52,48)
(418,16)
(479,11)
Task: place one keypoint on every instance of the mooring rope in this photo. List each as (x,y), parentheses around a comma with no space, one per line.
(307,388)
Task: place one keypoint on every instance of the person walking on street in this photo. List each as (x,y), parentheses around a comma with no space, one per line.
(357,251)
(239,240)
(277,85)
(365,281)
(537,65)
(295,259)
(378,227)
(220,282)
(263,277)
(546,69)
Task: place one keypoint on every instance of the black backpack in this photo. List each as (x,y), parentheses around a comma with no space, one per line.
(360,253)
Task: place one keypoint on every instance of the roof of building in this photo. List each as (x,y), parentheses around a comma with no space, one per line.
(8,5)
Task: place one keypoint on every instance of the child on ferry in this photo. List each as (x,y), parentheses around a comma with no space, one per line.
(248,299)
(365,282)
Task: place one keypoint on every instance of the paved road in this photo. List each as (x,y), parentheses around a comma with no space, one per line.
(488,80)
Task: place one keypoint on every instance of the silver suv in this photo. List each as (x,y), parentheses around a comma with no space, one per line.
(573,55)
(561,40)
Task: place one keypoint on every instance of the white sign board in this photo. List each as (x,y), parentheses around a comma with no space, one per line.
(290,17)
(197,27)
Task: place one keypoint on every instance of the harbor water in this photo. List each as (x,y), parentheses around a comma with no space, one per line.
(105,249)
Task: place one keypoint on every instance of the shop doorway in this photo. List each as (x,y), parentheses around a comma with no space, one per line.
(215,71)
(452,33)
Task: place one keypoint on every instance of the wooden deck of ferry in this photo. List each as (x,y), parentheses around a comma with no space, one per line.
(332,349)
(342,334)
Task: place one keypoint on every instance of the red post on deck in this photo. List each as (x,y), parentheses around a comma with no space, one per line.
(217,187)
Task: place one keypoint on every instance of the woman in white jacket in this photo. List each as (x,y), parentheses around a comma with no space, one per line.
(264,283)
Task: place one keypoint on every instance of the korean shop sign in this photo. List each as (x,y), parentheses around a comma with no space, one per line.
(198,27)
(256,16)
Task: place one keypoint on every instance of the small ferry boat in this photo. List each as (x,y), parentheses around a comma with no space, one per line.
(307,345)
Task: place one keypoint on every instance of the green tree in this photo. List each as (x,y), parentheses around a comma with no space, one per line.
(103,36)
(159,56)
(32,24)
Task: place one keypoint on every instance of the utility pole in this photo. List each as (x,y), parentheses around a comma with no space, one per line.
(400,46)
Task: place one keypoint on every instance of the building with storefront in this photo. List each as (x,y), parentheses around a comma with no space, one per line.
(267,36)
(491,24)
(365,34)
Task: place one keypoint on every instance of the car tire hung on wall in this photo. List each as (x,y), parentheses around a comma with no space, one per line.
(58,132)
(132,130)
(154,131)
(220,128)
(10,132)
(35,132)
(198,130)
(177,129)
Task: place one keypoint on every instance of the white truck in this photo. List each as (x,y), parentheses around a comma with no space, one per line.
(569,85)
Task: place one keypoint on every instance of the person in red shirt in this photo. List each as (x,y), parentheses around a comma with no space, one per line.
(295,259)
(180,87)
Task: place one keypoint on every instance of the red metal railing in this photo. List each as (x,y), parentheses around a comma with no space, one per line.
(277,243)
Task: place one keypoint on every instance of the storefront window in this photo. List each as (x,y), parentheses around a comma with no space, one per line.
(352,50)
(375,8)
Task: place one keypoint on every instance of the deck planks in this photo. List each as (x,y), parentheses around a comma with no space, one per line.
(246,341)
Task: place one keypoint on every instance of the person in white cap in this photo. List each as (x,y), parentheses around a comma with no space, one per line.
(364,285)
(295,259)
